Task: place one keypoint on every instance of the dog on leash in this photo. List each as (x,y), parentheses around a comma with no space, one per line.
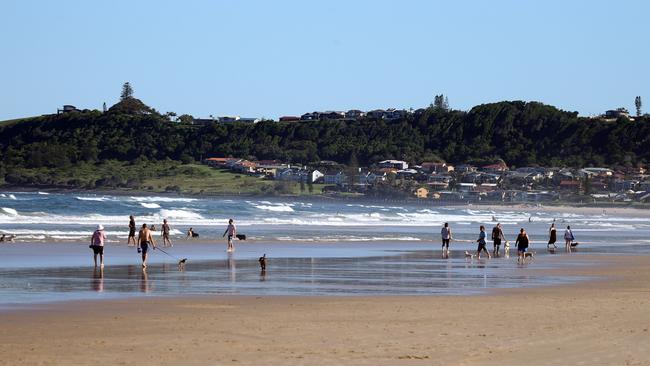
(262,261)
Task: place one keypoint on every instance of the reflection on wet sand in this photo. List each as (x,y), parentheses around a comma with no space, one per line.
(97,281)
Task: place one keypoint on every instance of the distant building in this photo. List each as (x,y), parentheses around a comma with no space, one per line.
(67,108)
(429,167)
(354,114)
(393,113)
(339,179)
(465,168)
(377,113)
(393,164)
(310,116)
(422,192)
(289,119)
(617,113)
(494,168)
(331,115)
(203,121)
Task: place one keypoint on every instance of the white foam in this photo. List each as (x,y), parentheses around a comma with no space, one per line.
(149,205)
(43,193)
(96,199)
(278,208)
(162,199)
(9,211)
(180,214)
(12,196)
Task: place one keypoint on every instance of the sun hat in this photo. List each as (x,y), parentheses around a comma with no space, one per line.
(100,227)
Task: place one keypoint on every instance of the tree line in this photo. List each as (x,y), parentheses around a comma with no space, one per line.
(520,133)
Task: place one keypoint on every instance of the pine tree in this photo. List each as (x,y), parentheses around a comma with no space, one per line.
(127,91)
(638,105)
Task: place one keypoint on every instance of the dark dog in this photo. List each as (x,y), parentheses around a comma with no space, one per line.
(181,263)
(262,261)
(241,236)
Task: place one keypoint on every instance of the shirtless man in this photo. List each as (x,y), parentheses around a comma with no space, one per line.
(164,231)
(144,239)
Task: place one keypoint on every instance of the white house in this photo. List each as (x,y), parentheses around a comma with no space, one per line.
(395,164)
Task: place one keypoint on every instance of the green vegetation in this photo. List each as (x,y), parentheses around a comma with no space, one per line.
(132,146)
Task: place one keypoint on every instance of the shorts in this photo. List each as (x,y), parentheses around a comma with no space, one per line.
(445,243)
(523,250)
(131,232)
(98,249)
(165,235)
(497,242)
(481,246)
(229,237)
(144,246)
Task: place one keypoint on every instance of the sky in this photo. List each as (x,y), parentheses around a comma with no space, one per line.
(276,58)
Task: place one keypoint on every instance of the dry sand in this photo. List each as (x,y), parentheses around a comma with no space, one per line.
(599,322)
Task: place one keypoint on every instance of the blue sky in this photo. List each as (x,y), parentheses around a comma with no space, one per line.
(274,58)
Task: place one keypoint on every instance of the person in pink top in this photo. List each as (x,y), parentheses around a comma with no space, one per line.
(97,245)
(231,230)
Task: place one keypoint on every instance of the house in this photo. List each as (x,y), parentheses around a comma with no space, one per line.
(244,166)
(67,108)
(289,119)
(219,162)
(228,119)
(406,174)
(395,164)
(487,187)
(250,120)
(570,185)
(467,187)
(203,121)
(377,114)
(599,172)
(625,185)
(299,175)
(430,167)
(465,168)
(339,179)
(422,192)
(439,181)
(495,168)
(354,114)
(393,113)
(314,116)
(614,114)
(331,115)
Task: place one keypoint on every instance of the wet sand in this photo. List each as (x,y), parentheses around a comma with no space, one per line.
(599,322)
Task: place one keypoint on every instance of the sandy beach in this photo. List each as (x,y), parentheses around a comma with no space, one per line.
(599,322)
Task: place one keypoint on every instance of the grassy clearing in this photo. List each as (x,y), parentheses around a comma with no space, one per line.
(160,176)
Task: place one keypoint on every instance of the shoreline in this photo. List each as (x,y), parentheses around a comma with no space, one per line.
(608,317)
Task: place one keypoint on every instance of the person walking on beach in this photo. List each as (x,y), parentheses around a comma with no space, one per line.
(131,238)
(552,237)
(164,231)
(522,245)
(97,245)
(231,230)
(446,237)
(568,238)
(144,240)
(497,236)
(482,243)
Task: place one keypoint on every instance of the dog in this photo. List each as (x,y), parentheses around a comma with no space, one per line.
(241,236)
(527,255)
(262,261)
(469,255)
(574,244)
(181,264)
